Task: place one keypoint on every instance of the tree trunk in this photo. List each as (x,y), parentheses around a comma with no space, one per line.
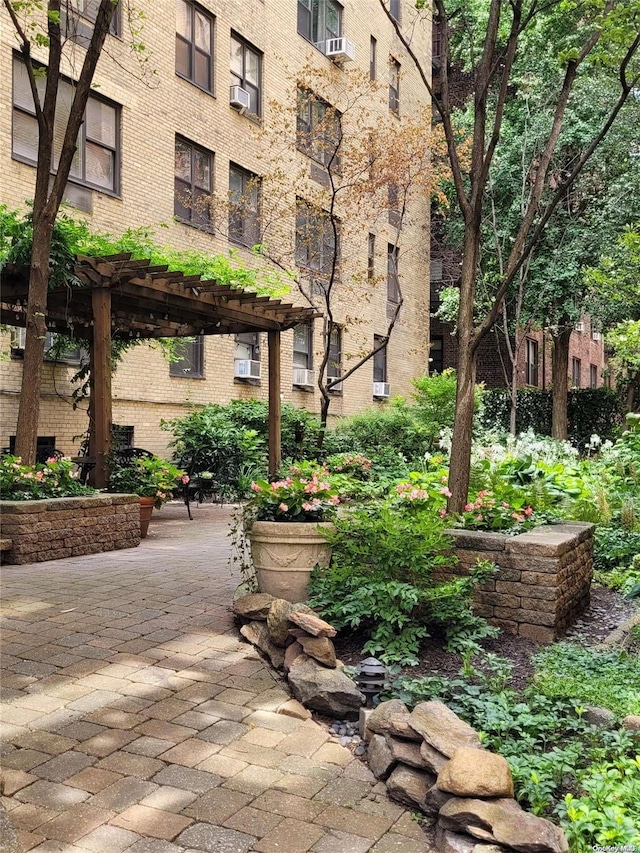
(27,427)
(560,382)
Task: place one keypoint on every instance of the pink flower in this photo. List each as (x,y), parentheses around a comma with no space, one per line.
(185,479)
(505,504)
(51,459)
(446,491)
(160,495)
(306,506)
(39,475)
(528,511)
(335,500)
(311,487)
(283,507)
(442,512)
(517,516)
(255,487)
(468,507)
(483,493)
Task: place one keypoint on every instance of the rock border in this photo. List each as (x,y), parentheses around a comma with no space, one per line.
(429,759)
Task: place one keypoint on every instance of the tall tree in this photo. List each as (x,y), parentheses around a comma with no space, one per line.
(37,29)
(495,41)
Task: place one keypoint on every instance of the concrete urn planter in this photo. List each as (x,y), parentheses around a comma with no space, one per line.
(284,554)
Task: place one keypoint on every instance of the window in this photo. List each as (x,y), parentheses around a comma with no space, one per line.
(394,86)
(78,18)
(190,365)
(303,346)
(121,437)
(436,355)
(194,44)
(319,20)
(318,129)
(373,44)
(531,362)
(244,206)
(334,365)
(316,243)
(395,10)
(379,360)
(576,369)
(96,161)
(393,286)
(67,354)
(45,447)
(246,65)
(435,276)
(247,356)
(193,184)
(593,376)
(436,43)
(371,257)
(393,205)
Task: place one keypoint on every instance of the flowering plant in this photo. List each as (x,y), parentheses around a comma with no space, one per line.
(53,479)
(305,494)
(488,513)
(148,477)
(354,464)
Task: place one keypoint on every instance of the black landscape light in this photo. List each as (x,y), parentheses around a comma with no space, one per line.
(371,678)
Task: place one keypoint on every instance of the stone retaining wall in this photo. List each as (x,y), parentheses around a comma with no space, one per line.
(543,581)
(69,527)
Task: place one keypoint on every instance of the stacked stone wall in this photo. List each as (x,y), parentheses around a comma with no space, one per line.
(543,580)
(69,527)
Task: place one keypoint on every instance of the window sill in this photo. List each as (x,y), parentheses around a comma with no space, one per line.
(71,180)
(205,230)
(209,92)
(306,389)
(237,380)
(188,376)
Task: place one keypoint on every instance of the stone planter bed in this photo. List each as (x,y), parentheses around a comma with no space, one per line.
(69,527)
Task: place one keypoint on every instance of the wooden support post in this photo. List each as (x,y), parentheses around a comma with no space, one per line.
(101,383)
(275,407)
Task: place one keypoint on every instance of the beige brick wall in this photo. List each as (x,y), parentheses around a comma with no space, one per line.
(154,110)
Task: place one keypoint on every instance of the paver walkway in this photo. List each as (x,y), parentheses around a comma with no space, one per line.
(133,717)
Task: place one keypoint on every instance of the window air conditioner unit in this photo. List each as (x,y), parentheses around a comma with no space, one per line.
(380,389)
(595,336)
(303,377)
(239,98)
(335,389)
(340,48)
(243,368)
(579,327)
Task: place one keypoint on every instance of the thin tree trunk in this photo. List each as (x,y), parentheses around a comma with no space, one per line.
(560,383)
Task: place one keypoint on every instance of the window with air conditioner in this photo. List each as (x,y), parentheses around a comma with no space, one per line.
(319,20)
(380,379)
(190,359)
(244,206)
(334,364)
(246,72)
(193,184)
(303,355)
(246,362)
(194,44)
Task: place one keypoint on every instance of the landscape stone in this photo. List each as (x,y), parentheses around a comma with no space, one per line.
(278,619)
(598,716)
(434,759)
(255,605)
(453,842)
(409,786)
(502,820)
(632,723)
(378,720)
(329,691)
(398,726)
(434,800)
(441,728)
(291,653)
(379,757)
(293,708)
(406,752)
(476,773)
(312,624)
(258,635)
(320,648)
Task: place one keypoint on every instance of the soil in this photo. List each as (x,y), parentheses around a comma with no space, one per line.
(607,611)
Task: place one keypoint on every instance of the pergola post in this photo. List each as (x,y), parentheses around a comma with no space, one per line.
(275,406)
(101,407)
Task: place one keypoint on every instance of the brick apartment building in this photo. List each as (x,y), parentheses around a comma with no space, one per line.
(195,127)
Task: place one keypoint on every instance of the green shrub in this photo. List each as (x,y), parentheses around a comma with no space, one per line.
(435,404)
(614,548)
(380,434)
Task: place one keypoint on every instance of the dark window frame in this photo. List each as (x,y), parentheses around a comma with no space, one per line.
(315,241)
(206,223)
(371,256)
(242,80)
(393,282)
(436,362)
(380,369)
(194,51)
(373,52)
(318,129)
(193,355)
(115,150)
(317,30)
(334,362)
(241,229)
(593,375)
(303,354)
(532,361)
(394,86)
(395,10)
(576,372)
(89,15)
(251,340)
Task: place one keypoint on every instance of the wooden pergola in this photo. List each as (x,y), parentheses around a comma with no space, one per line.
(120,298)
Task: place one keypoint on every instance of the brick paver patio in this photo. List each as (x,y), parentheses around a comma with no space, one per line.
(134,718)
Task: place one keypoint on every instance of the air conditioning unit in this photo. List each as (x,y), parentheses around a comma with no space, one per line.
(340,48)
(303,378)
(243,368)
(239,98)
(595,336)
(380,389)
(579,327)
(336,388)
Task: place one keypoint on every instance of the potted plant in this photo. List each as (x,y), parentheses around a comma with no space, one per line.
(284,522)
(149,477)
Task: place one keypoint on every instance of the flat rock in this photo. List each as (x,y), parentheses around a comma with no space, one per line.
(503,821)
(278,619)
(380,757)
(312,624)
(290,654)
(632,723)
(255,605)
(392,717)
(434,800)
(319,648)
(598,716)
(409,786)
(329,691)
(453,842)
(476,773)
(293,708)
(406,752)
(441,728)
(258,635)
(434,759)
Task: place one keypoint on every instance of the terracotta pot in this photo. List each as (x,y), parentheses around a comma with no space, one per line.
(284,554)
(146,508)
